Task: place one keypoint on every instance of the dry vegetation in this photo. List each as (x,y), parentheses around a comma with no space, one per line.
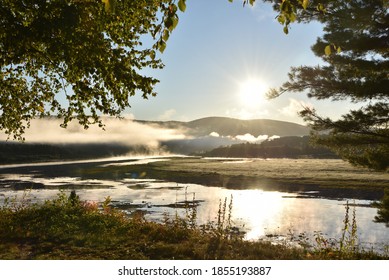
(323,173)
(67,228)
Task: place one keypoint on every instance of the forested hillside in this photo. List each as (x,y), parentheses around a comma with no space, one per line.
(285,147)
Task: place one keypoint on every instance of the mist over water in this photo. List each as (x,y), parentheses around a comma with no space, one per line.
(116,131)
(123,137)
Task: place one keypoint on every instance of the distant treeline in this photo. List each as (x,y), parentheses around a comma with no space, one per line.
(284,147)
(26,152)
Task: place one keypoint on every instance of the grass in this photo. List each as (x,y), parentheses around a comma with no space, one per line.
(67,228)
(298,172)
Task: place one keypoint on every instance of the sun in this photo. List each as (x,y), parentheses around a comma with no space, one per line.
(252,92)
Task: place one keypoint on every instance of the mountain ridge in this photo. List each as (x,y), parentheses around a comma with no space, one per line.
(225,126)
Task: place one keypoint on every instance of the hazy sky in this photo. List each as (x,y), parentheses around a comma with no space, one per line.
(219,54)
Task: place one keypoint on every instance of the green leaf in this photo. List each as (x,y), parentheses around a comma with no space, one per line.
(182,5)
(305,4)
(292,17)
(282,5)
(107,5)
(166,35)
(175,22)
(286,30)
(281,19)
(169,23)
(338,50)
(152,55)
(161,46)
(321,8)
(327,50)
(173,9)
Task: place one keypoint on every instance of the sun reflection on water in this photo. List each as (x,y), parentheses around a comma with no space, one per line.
(258,208)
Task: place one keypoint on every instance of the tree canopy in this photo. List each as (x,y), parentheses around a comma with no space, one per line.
(355,52)
(90,52)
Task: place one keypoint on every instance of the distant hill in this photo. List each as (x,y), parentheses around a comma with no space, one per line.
(224,132)
(233,127)
(284,147)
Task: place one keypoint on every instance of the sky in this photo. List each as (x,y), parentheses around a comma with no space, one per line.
(221,59)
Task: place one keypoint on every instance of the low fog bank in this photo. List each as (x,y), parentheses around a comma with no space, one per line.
(11,153)
(122,132)
(198,145)
(47,141)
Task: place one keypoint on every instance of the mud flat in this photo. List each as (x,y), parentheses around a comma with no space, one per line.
(329,177)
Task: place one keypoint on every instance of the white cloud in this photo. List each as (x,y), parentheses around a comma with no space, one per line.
(214,134)
(273,137)
(251,138)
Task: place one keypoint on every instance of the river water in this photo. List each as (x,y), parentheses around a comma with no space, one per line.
(273,215)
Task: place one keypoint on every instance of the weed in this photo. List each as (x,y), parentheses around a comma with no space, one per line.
(224,219)
(190,211)
(348,243)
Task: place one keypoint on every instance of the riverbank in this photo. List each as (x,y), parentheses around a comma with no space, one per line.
(320,172)
(67,228)
(328,178)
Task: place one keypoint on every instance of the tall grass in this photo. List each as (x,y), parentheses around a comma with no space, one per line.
(349,239)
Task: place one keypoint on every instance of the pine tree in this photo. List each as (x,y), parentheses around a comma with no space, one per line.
(355,49)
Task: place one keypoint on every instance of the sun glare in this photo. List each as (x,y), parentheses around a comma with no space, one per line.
(252,92)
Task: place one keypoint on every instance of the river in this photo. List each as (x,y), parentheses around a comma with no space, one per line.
(277,216)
